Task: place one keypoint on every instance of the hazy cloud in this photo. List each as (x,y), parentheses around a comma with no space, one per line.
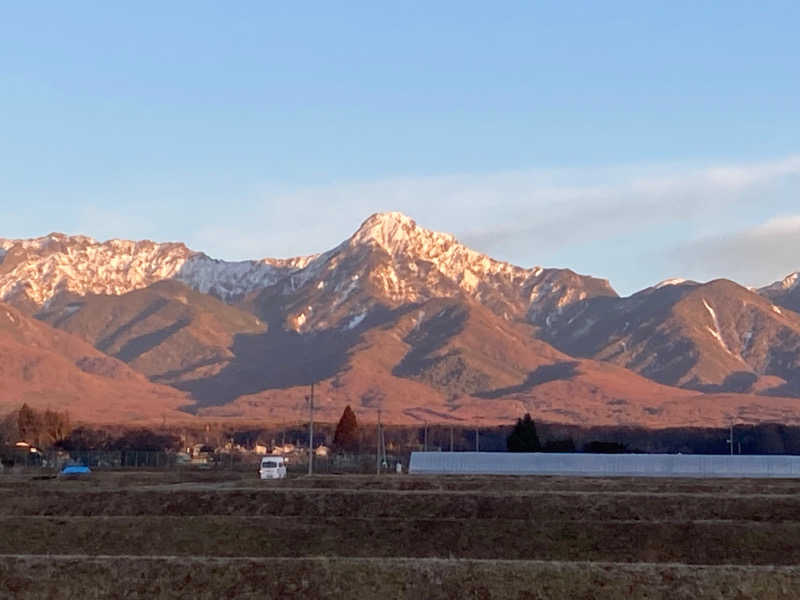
(517,214)
(632,224)
(755,256)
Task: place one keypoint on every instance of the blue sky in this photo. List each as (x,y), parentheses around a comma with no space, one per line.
(630,140)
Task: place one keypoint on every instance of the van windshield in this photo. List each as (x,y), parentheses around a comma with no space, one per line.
(269,464)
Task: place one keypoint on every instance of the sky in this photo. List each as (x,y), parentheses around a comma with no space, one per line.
(634,141)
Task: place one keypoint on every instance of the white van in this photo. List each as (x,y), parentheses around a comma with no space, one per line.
(272,467)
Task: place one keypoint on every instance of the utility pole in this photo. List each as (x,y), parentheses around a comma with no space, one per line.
(378,446)
(310,399)
(730,441)
(477,441)
(425,443)
(451,438)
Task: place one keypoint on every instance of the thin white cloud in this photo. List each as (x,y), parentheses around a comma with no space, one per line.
(756,256)
(778,226)
(622,222)
(542,208)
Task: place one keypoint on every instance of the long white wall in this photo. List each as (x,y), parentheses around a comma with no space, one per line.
(629,465)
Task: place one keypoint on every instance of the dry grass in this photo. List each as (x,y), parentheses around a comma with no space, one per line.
(209,578)
(271,500)
(616,541)
(230,535)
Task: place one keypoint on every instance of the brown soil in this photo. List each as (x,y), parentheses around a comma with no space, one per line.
(28,578)
(217,534)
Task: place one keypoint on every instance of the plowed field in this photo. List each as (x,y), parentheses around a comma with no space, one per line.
(218,535)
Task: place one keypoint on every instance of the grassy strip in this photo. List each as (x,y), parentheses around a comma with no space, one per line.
(698,543)
(269,501)
(137,478)
(56,578)
(548,483)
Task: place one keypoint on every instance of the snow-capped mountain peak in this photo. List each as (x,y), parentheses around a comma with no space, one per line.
(391,260)
(411,264)
(784,293)
(405,241)
(33,271)
(397,234)
(669,282)
(787,283)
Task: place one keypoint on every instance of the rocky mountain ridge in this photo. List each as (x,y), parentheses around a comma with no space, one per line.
(411,315)
(717,336)
(421,264)
(34,271)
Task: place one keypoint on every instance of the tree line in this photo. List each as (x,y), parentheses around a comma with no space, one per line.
(52,428)
(35,427)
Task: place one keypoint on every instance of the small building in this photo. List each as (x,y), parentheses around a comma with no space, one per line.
(26,446)
(284,449)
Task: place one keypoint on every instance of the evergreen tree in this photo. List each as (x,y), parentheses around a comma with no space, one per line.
(346,436)
(523,438)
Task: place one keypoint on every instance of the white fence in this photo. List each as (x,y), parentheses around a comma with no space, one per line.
(603,465)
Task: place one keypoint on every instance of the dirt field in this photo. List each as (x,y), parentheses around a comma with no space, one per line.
(223,534)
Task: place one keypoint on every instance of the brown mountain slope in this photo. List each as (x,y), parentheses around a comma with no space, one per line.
(409,315)
(48,368)
(718,337)
(166,331)
(455,361)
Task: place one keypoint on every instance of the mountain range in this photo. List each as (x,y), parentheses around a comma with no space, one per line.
(396,319)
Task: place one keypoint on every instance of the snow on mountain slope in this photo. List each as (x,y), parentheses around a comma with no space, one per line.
(785,293)
(787,283)
(717,336)
(389,256)
(38,269)
(391,261)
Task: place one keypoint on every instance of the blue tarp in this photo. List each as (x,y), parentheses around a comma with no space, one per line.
(75,470)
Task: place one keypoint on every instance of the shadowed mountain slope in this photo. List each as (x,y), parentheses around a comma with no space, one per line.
(448,360)
(785,293)
(166,331)
(718,337)
(410,321)
(47,368)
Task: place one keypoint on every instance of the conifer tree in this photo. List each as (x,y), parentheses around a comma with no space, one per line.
(346,436)
(524,438)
